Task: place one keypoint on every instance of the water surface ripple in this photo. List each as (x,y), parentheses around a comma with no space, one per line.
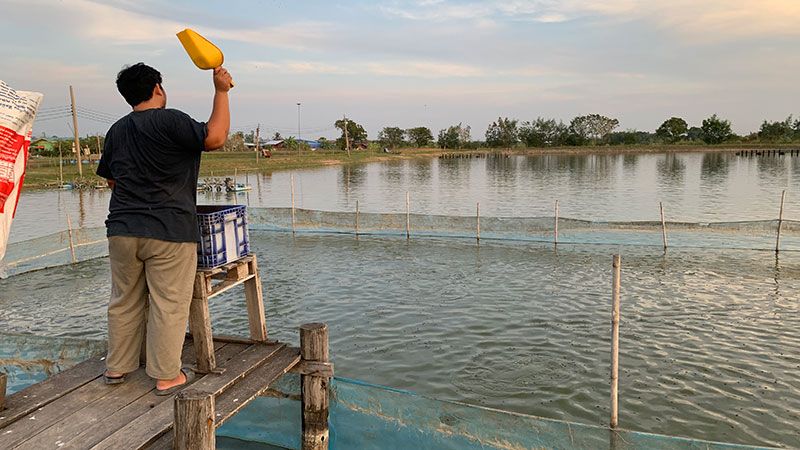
(709,338)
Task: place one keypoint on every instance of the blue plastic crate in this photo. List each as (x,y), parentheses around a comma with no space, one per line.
(223,235)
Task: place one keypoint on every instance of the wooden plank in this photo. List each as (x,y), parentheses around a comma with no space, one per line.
(255,305)
(96,432)
(200,326)
(75,422)
(228,403)
(147,428)
(3,384)
(226,285)
(35,396)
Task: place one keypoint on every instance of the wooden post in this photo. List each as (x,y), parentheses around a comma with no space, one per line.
(314,397)
(194,420)
(478,222)
(258,143)
(555,226)
(408,216)
(3,382)
(357,217)
(780,223)
(291,179)
(255,304)
(71,241)
(200,326)
(615,342)
(346,137)
(663,225)
(75,132)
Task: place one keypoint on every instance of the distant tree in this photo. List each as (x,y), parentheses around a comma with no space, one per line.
(502,133)
(673,129)
(391,137)
(326,144)
(593,127)
(782,131)
(277,136)
(235,143)
(419,136)
(456,136)
(631,137)
(355,132)
(694,134)
(250,138)
(716,130)
(543,133)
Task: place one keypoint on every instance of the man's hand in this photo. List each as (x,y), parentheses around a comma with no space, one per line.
(223,82)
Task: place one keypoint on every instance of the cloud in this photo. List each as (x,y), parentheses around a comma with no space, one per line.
(707,21)
(121,23)
(292,67)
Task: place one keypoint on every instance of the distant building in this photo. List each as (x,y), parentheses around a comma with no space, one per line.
(42,145)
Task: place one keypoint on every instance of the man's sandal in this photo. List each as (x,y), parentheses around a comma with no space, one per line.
(189,373)
(113,380)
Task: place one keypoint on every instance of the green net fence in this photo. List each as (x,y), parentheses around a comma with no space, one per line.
(87,243)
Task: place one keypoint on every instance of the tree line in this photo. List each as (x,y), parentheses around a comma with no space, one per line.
(592,129)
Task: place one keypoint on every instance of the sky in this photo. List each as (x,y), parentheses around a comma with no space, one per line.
(410,63)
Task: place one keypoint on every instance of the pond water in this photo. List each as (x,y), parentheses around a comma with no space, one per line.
(695,187)
(709,337)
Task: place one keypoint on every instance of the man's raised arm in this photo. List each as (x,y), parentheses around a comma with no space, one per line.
(220,121)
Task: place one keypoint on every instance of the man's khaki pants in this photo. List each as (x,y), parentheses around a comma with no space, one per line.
(166,271)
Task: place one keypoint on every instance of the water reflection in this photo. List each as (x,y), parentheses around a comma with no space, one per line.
(715,167)
(671,169)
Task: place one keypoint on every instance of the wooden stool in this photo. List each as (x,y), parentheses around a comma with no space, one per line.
(211,282)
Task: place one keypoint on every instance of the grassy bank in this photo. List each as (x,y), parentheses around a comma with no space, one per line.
(43,173)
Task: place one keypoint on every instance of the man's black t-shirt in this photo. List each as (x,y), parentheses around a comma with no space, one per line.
(153,156)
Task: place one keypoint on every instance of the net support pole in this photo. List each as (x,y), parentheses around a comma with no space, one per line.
(555,226)
(615,342)
(3,381)
(780,223)
(291,181)
(408,215)
(478,222)
(71,241)
(358,212)
(663,225)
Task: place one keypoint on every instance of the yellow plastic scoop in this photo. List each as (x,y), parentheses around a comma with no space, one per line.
(204,54)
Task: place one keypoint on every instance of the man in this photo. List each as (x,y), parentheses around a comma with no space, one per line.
(151,159)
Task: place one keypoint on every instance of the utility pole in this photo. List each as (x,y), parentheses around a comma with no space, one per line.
(60,167)
(75,131)
(258,142)
(97,136)
(346,137)
(298,128)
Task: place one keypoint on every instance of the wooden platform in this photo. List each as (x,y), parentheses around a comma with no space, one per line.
(75,409)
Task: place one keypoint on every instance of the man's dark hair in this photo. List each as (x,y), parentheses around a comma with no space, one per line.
(136,83)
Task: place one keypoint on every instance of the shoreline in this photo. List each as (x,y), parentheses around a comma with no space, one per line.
(43,172)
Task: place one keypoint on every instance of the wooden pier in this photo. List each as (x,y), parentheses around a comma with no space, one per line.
(75,409)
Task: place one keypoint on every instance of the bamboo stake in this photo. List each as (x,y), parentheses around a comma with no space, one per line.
(615,342)
(478,222)
(780,223)
(314,400)
(357,217)
(408,216)
(663,225)
(555,226)
(3,382)
(291,178)
(71,243)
